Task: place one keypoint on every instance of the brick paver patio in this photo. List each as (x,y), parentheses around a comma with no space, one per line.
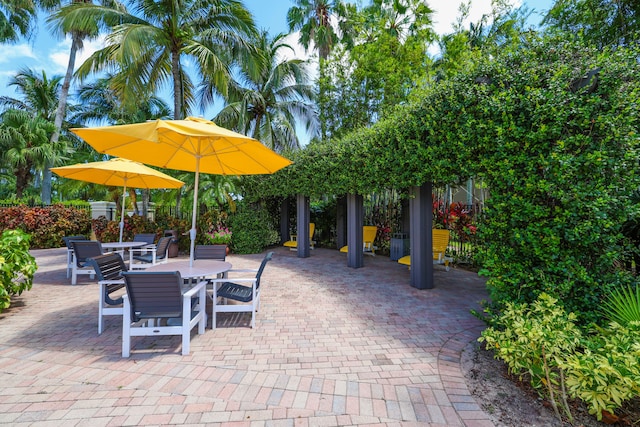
(333,346)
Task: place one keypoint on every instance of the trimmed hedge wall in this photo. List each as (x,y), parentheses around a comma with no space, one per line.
(559,151)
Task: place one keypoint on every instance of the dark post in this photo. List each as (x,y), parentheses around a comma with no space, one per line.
(304,218)
(421,218)
(355,257)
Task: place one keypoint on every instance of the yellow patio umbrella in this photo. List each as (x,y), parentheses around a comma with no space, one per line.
(194,145)
(119,172)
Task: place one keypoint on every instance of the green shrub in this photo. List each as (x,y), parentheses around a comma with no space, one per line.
(607,372)
(534,340)
(252,230)
(46,225)
(109,231)
(543,342)
(17,265)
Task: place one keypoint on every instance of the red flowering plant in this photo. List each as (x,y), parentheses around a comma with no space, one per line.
(457,217)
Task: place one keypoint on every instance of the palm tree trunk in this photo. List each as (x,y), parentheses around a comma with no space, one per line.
(177,86)
(76,43)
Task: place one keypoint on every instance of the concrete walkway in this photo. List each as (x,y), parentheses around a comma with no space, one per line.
(333,346)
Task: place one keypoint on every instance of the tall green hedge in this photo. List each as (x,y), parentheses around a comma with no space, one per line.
(558,150)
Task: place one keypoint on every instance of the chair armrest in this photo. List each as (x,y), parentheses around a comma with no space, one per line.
(195,289)
(243,270)
(111,282)
(240,279)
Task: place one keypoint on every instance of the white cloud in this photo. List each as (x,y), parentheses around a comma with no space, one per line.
(9,53)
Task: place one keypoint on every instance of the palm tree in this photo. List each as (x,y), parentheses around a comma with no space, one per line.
(39,94)
(271,97)
(313,19)
(16,19)
(25,145)
(78,34)
(149,48)
(100,104)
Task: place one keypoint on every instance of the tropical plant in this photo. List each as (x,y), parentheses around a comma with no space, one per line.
(47,226)
(99,103)
(622,305)
(38,93)
(25,146)
(17,265)
(313,18)
(79,32)
(148,47)
(533,340)
(271,96)
(16,19)
(541,342)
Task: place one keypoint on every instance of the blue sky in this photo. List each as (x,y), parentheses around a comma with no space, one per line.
(51,55)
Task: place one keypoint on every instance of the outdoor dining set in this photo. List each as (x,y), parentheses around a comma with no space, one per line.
(155,296)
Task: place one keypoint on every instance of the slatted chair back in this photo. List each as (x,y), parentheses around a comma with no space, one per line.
(154,295)
(109,268)
(155,305)
(245,290)
(217,252)
(82,251)
(263,264)
(67,240)
(148,238)
(158,255)
(162,248)
(85,249)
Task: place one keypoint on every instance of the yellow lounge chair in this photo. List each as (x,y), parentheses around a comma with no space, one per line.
(369,233)
(440,243)
(293,243)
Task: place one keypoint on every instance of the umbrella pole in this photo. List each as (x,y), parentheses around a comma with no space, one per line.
(124,193)
(192,232)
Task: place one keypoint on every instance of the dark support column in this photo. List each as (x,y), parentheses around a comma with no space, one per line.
(304,218)
(355,211)
(421,218)
(284,220)
(341,222)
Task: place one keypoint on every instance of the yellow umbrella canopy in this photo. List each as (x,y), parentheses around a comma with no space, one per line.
(119,172)
(194,145)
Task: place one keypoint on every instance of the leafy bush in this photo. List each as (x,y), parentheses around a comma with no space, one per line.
(46,225)
(109,231)
(252,230)
(541,341)
(17,265)
(607,372)
(533,340)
